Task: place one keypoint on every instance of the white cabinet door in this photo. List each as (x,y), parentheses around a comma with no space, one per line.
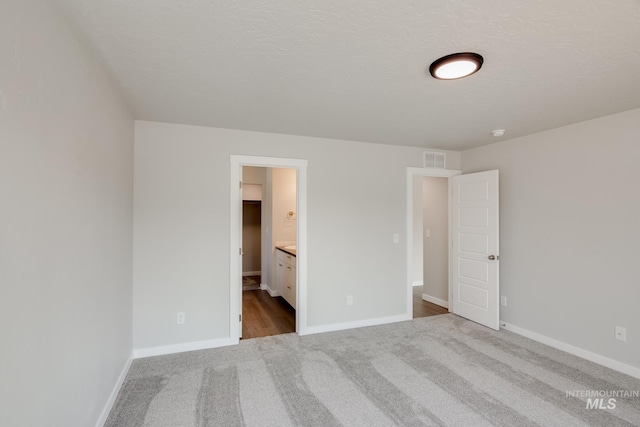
(475,247)
(290,285)
(286,277)
(280,273)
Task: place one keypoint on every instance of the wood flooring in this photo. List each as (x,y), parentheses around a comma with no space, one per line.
(263,315)
(422,308)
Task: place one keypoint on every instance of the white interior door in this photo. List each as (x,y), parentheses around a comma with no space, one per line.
(474,230)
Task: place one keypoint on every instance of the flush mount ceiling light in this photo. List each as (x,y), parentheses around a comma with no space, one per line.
(456,66)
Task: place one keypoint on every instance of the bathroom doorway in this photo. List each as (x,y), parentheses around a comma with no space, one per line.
(268,303)
(282,223)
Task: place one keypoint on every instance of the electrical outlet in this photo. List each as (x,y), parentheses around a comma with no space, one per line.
(427,233)
(396,238)
(180,318)
(349,299)
(621,333)
(503,301)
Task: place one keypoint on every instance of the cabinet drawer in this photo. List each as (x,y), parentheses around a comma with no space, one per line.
(289,288)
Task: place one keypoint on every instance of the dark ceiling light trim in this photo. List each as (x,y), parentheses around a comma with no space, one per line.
(456,66)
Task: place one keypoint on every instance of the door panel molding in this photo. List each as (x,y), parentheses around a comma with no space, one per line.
(475,211)
(476,201)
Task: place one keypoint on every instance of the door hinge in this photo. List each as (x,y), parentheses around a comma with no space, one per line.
(239,251)
(241,185)
(239,317)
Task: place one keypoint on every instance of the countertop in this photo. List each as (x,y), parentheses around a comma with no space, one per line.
(289,251)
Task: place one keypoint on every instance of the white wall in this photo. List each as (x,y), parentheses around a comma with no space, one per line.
(283,199)
(254,175)
(66,179)
(570,232)
(435,216)
(356,201)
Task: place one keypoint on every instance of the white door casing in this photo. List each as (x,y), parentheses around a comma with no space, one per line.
(241,255)
(475,251)
(411,174)
(235,240)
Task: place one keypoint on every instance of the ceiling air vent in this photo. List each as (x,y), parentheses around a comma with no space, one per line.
(434,160)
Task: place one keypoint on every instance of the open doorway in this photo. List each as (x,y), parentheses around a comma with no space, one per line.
(282,225)
(428,234)
(268,294)
(431,239)
(473,243)
(251,235)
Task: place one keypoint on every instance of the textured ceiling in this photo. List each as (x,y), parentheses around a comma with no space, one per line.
(358,69)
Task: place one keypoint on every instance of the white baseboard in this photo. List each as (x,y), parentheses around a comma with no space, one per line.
(179,348)
(437,301)
(418,283)
(114,393)
(309,330)
(266,287)
(251,273)
(576,351)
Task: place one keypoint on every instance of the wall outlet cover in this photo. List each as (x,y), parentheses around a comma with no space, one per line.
(621,334)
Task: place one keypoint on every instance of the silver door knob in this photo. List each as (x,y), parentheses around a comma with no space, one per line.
(492,257)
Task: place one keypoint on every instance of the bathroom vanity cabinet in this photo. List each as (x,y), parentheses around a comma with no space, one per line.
(286,275)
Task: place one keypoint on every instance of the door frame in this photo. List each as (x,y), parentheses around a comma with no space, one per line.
(235,242)
(412,173)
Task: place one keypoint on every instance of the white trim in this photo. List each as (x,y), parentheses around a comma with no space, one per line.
(418,283)
(442,173)
(576,351)
(235,295)
(114,393)
(434,300)
(272,293)
(412,173)
(357,324)
(179,348)
(251,273)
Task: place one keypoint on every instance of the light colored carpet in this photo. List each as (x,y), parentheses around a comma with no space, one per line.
(440,370)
